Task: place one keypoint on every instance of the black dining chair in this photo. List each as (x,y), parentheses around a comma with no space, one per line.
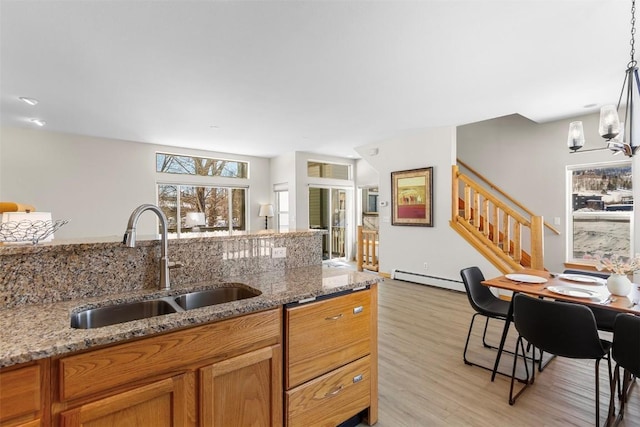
(558,328)
(604,317)
(485,303)
(626,353)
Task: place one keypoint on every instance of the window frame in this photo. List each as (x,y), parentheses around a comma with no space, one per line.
(230,230)
(279,212)
(349,167)
(569,253)
(247,166)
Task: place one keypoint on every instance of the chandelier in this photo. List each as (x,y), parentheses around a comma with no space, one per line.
(612,128)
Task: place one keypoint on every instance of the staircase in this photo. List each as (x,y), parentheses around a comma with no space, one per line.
(505,232)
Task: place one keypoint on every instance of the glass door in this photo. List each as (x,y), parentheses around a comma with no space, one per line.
(329,210)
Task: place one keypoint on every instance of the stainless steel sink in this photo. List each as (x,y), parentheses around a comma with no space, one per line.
(215,296)
(120,313)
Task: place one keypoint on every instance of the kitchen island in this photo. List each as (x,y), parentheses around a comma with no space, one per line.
(177,364)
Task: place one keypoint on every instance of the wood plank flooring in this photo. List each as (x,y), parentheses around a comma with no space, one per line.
(423,380)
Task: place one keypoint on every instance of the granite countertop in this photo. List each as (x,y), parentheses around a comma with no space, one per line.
(142,241)
(33,332)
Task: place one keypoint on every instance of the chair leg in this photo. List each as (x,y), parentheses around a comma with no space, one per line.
(484,335)
(597,392)
(613,419)
(527,382)
(626,380)
(466,345)
(611,387)
(613,380)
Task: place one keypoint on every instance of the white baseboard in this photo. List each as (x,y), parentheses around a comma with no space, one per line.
(424,279)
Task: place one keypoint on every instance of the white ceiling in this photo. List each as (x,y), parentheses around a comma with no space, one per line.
(265,77)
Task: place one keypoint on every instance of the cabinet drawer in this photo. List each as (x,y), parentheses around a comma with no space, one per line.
(20,392)
(324,335)
(331,398)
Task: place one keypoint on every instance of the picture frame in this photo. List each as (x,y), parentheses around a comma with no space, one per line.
(412,197)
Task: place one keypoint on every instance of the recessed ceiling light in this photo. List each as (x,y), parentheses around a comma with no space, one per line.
(30,101)
(38,122)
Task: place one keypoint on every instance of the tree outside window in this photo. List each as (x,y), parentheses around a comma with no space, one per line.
(224,208)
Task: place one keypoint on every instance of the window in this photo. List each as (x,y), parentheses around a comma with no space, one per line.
(601,210)
(200,166)
(328,170)
(224,208)
(282,210)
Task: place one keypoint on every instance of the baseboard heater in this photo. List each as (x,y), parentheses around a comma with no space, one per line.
(425,279)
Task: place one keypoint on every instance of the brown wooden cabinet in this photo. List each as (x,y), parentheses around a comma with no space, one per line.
(161,403)
(331,360)
(217,374)
(221,374)
(243,391)
(24,392)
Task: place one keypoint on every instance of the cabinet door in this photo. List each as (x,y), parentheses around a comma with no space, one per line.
(243,391)
(162,403)
(24,394)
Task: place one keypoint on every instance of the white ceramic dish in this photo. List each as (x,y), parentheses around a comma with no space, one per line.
(573,292)
(582,279)
(526,278)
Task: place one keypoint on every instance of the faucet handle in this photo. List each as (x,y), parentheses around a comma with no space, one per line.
(175,264)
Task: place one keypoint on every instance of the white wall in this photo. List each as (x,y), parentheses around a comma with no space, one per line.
(366,175)
(528,160)
(407,248)
(283,173)
(95,183)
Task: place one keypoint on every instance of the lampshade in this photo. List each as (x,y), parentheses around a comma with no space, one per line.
(575,140)
(609,122)
(194,219)
(266,210)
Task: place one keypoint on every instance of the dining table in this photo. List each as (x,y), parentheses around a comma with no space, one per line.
(576,288)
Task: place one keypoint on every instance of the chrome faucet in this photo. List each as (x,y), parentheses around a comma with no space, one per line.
(130,239)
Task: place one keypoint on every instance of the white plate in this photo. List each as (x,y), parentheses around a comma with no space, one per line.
(526,278)
(573,292)
(581,278)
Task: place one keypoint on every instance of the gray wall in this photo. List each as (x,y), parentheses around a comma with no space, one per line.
(528,160)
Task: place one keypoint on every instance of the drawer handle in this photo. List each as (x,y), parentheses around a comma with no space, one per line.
(334,317)
(334,392)
(357,309)
(357,378)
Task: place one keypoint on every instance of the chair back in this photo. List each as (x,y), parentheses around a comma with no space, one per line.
(480,296)
(626,343)
(588,273)
(559,328)
(604,316)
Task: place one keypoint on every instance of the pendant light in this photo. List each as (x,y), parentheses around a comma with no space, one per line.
(612,128)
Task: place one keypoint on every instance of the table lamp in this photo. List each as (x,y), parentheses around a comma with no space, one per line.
(195,220)
(266,211)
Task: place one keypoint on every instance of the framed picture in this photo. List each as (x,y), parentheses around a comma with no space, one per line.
(412,197)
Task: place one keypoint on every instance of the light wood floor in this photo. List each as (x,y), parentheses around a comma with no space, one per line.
(423,380)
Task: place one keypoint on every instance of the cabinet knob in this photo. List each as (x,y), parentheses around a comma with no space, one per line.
(357,309)
(357,378)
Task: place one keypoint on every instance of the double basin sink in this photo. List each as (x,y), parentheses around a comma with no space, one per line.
(126,312)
